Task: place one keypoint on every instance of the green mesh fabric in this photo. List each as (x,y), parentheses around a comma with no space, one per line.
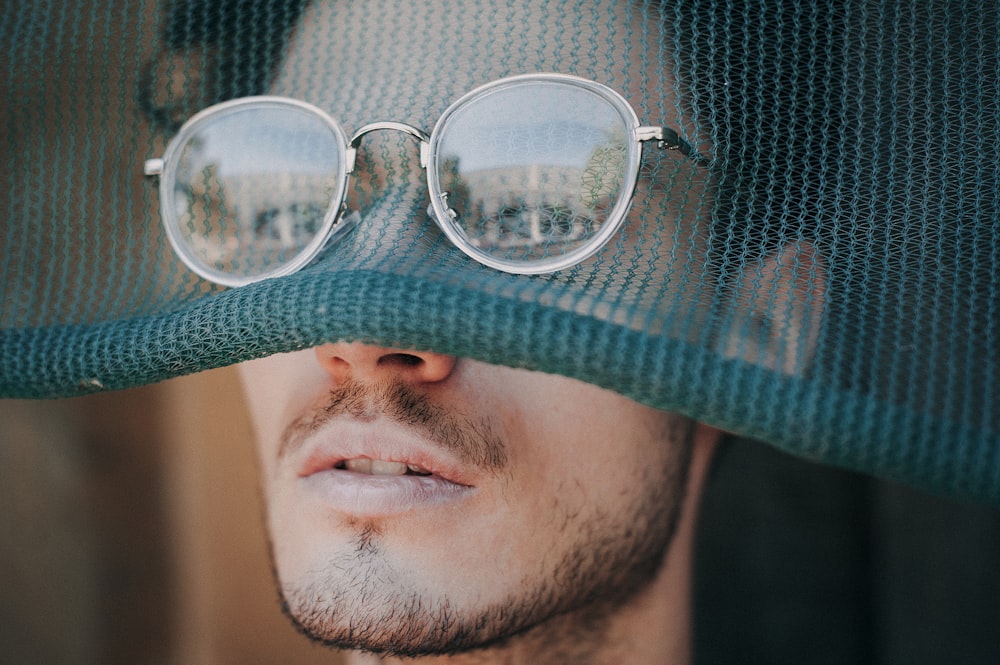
(852,151)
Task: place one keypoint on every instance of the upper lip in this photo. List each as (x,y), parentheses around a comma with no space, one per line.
(344,439)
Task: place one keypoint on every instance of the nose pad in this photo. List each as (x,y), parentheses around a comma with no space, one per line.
(345,361)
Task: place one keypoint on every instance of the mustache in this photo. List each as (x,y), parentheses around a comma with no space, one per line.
(473,440)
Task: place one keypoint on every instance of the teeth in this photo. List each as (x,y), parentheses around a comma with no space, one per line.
(418,470)
(361,465)
(381,467)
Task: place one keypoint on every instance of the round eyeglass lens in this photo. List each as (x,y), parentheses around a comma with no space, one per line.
(254,189)
(532,171)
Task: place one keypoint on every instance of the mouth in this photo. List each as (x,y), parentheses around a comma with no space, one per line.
(384,465)
(380,471)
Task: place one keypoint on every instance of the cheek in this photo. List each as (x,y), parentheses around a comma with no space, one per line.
(577,450)
(277,388)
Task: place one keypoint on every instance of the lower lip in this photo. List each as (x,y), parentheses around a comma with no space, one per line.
(365,495)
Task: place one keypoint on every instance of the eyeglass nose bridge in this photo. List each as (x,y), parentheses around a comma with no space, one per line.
(422,137)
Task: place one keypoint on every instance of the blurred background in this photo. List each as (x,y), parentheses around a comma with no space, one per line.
(131,532)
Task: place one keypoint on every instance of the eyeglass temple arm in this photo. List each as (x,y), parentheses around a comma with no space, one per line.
(668,139)
(421,136)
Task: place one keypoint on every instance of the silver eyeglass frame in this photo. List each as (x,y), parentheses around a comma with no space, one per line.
(165,168)
(336,223)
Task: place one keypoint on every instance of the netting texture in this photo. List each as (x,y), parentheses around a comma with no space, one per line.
(821,272)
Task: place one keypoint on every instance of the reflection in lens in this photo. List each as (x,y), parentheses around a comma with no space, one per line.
(253,188)
(532,171)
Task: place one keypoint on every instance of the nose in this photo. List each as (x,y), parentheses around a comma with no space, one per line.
(363,362)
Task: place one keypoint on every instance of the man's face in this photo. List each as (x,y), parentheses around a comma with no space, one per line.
(419,503)
(522,495)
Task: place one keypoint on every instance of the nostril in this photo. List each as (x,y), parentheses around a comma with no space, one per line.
(400,360)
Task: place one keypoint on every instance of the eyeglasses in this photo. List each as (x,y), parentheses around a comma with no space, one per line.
(529,174)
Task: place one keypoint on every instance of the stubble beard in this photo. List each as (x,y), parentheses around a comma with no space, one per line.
(359,601)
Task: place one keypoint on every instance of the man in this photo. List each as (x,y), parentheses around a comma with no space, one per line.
(466,465)
(423,505)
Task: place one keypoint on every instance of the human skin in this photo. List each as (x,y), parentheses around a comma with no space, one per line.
(542,519)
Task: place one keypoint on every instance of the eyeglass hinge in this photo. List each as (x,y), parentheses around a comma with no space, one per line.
(666,138)
(153,167)
(669,139)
